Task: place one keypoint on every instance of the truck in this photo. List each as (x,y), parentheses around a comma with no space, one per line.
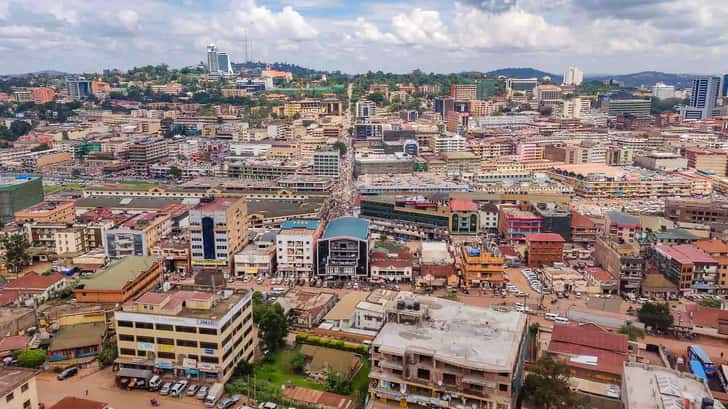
(214,394)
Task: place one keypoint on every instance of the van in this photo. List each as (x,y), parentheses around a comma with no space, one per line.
(178,388)
(561,320)
(214,394)
(551,316)
(67,373)
(154,383)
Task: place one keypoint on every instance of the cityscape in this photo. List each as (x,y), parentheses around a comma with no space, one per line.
(237,225)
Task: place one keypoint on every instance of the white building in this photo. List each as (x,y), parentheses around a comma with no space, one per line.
(365,108)
(369,316)
(295,247)
(576,108)
(449,142)
(573,76)
(663,91)
(326,163)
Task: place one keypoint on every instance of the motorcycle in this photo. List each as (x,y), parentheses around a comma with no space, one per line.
(154,402)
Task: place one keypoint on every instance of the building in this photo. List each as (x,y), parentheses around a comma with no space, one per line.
(308,308)
(72,402)
(623,261)
(662,161)
(18,388)
(464,92)
(33,288)
(145,152)
(190,334)
(48,211)
(481,268)
(692,270)
(622,227)
(636,107)
(610,350)
(583,229)
(78,87)
(224,64)
(77,342)
(718,250)
(449,142)
(646,386)
(663,91)
(138,235)
(218,230)
(342,316)
(425,365)
(120,281)
(544,249)
(708,161)
(42,95)
(212,61)
(514,223)
(710,212)
(326,163)
(390,262)
(573,76)
(258,258)
(520,85)
(365,108)
(17,193)
(296,248)
(343,249)
(555,218)
(704,96)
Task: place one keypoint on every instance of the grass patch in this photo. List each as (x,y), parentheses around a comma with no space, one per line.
(47,189)
(277,370)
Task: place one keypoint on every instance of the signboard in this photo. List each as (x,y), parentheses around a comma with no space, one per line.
(165,348)
(207,367)
(209,262)
(189,363)
(209,351)
(163,363)
(145,346)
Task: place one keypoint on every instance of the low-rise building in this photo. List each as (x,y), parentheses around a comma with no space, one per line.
(543,249)
(191,334)
(514,223)
(481,268)
(645,386)
(120,281)
(308,308)
(48,211)
(18,388)
(343,315)
(622,227)
(718,250)
(390,262)
(623,261)
(138,235)
(79,342)
(343,249)
(689,268)
(33,288)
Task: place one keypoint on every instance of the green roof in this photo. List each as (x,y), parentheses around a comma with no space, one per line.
(117,274)
(78,336)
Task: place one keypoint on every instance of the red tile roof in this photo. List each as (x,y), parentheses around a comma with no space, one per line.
(72,402)
(551,237)
(578,220)
(685,254)
(507,251)
(600,274)
(8,297)
(590,335)
(610,362)
(463,205)
(712,246)
(14,343)
(35,281)
(437,270)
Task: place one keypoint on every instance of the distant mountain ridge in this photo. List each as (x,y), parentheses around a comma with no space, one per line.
(523,72)
(648,78)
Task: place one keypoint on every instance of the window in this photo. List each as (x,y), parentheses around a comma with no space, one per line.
(9,397)
(165,341)
(127,324)
(210,359)
(423,373)
(24,387)
(503,387)
(186,343)
(208,331)
(149,340)
(127,351)
(26,404)
(145,325)
(141,353)
(125,337)
(448,379)
(164,327)
(167,355)
(208,345)
(180,328)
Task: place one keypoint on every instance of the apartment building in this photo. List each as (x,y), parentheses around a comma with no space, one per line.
(449,142)
(418,357)
(343,249)
(692,270)
(623,261)
(711,212)
(145,152)
(718,250)
(326,163)
(514,223)
(622,227)
(481,268)
(464,91)
(218,230)
(544,249)
(138,235)
(48,211)
(198,335)
(18,388)
(708,161)
(296,248)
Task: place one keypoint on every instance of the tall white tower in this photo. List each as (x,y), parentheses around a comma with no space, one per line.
(212,62)
(573,76)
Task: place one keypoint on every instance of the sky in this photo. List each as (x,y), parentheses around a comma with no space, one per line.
(598,36)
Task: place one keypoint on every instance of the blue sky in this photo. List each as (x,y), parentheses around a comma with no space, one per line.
(599,36)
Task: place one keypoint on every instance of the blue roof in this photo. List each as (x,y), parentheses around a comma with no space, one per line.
(699,353)
(697,369)
(347,226)
(300,224)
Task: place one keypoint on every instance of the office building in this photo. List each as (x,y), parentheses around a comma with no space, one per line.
(364,131)
(650,386)
(365,108)
(636,107)
(573,76)
(523,86)
(218,230)
(703,99)
(711,212)
(18,388)
(481,268)
(296,248)
(663,161)
(343,249)
(212,60)
(708,161)
(419,360)
(382,164)
(48,211)
(449,142)
(514,223)
(443,105)
(138,235)
(544,249)
(186,334)
(223,63)
(663,91)
(78,87)
(464,92)
(411,147)
(326,163)
(18,192)
(145,152)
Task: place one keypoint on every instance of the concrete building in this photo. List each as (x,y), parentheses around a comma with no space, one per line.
(663,161)
(481,268)
(449,142)
(48,211)
(18,192)
(78,87)
(390,262)
(703,99)
(623,261)
(418,357)
(555,218)
(296,248)
(343,315)
(365,108)
(622,227)
(648,386)
(663,91)
(514,223)
(464,91)
(692,270)
(218,230)
(120,281)
(573,76)
(326,163)
(636,107)
(520,85)
(343,249)
(709,161)
(308,308)
(199,335)
(18,388)
(544,249)
(258,258)
(147,151)
(710,212)
(138,235)
(718,250)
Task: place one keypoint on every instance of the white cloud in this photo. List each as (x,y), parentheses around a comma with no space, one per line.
(261,20)
(367,31)
(421,27)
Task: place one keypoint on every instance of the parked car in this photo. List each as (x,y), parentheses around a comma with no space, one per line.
(154,383)
(202,392)
(68,372)
(192,389)
(164,390)
(228,402)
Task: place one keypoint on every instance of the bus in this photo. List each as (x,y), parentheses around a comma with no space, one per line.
(696,368)
(723,377)
(696,353)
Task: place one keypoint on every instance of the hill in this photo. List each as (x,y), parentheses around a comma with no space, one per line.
(279,66)
(648,79)
(524,72)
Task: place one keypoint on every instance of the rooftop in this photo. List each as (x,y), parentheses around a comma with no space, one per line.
(712,246)
(72,402)
(9,180)
(623,219)
(300,224)
(590,347)
(344,309)
(459,334)
(120,202)
(550,237)
(78,336)
(275,208)
(685,254)
(117,274)
(463,205)
(184,303)
(11,378)
(347,227)
(217,204)
(648,386)
(35,281)
(47,205)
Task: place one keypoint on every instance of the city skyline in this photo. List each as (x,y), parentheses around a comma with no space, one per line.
(599,36)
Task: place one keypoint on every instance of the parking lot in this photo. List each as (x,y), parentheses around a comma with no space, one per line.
(101,387)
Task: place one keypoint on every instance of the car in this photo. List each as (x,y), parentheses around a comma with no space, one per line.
(154,383)
(202,392)
(192,389)
(267,405)
(67,373)
(164,390)
(229,402)
(522,309)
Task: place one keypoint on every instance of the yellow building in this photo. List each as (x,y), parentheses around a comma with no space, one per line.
(186,333)
(481,268)
(48,211)
(18,389)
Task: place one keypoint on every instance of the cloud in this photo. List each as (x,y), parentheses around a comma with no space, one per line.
(420,27)
(261,20)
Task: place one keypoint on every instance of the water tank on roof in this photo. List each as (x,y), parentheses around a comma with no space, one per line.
(416,306)
(400,304)
(474,252)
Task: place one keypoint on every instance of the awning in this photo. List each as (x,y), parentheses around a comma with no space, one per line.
(134,373)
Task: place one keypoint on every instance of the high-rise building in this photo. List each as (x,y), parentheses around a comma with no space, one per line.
(223,63)
(326,163)
(663,91)
(464,91)
(703,99)
(213,64)
(365,108)
(218,230)
(573,76)
(638,107)
(78,87)
(17,193)
(724,88)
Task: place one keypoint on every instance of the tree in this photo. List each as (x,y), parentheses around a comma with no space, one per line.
(244,368)
(298,362)
(341,147)
(31,358)
(337,383)
(42,147)
(15,247)
(108,352)
(547,386)
(175,172)
(377,97)
(711,302)
(273,326)
(655,315)
(632,332)
(19,128)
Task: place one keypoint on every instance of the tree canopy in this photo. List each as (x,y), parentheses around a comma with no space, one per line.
(655,315)
(15,247)
(547,386)
(31,358)
(272,324)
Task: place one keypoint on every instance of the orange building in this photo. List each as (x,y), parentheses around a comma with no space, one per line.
(481,268)
(544,249)
(42,95)
(48,211)
(55,158)
(120,281)
(100,87)
(717,249)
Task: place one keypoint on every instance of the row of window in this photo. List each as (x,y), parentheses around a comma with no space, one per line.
(168,341)
(169,355)
(166,327)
